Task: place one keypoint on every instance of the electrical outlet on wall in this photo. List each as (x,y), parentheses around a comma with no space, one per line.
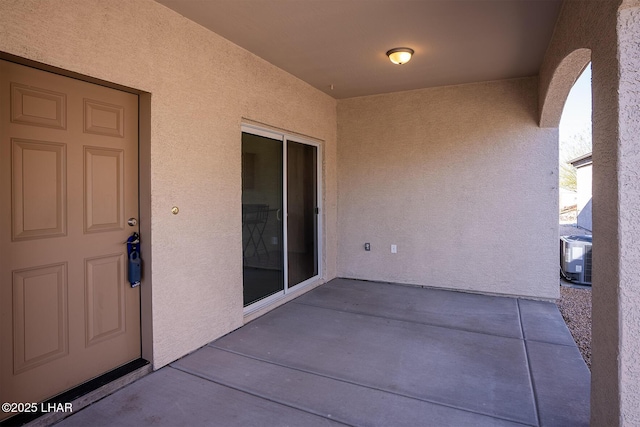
(394,249)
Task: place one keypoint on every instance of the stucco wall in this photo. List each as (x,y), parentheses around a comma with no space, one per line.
(460,178)
(610,29)
(201,87)
(629,198)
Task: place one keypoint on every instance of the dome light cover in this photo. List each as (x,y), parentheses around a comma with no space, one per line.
(400,55)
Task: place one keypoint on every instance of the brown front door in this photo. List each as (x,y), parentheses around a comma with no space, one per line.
(68,185)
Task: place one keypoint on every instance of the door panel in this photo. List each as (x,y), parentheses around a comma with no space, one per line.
(39,189)
(105,304)
(103,189)
(302,220)
(69,180)
(262,221)
(40,327)
(38,107)
(103,119)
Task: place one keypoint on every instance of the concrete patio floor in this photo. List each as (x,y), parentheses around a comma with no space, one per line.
(370,354)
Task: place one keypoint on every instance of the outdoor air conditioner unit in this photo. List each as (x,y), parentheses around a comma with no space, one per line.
(575,258)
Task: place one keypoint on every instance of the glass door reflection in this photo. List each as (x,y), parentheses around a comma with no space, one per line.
(262,225)
(302,215)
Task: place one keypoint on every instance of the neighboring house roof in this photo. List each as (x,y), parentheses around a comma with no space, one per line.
(581,161)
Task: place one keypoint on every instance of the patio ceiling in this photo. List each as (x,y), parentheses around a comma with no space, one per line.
(343,43)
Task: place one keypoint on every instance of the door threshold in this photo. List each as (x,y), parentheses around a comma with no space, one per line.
(57,408)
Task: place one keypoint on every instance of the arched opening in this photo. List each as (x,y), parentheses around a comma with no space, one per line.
(563,108)
(575,225)
(558,104)
(560,85)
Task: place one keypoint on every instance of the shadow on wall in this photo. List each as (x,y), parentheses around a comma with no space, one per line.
(585,218)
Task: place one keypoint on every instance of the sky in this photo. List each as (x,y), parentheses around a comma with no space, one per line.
(577,110)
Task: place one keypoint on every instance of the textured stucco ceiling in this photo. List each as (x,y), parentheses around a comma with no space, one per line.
(343,42)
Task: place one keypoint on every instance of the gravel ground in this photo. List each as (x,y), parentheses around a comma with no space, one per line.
(575,306)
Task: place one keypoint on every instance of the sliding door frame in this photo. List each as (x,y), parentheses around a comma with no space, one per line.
(285,138)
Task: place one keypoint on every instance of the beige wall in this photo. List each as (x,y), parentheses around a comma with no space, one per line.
(610,30)
(461,178)
(201,87)
(629,198)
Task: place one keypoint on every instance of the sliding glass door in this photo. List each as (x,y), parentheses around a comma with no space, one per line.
(280,214)
(302,219)
(262,225)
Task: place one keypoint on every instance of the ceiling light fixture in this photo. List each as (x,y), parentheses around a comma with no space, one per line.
(400,55)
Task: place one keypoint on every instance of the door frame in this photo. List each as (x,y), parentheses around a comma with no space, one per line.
(144,187)
(285,137)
